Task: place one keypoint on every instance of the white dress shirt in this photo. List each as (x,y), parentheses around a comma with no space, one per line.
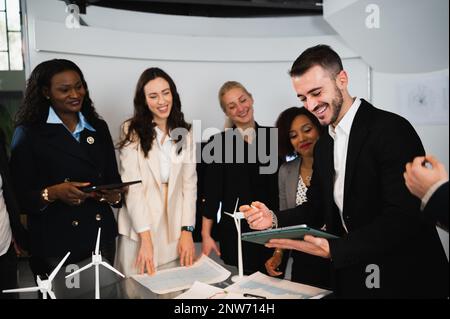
(5,228)
(340,135)
(164,154)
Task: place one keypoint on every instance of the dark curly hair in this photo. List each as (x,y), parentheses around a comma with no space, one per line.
(284,123)
(142,121)
(34,107)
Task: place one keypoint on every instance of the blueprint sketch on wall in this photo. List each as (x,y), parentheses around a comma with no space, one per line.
(424,100)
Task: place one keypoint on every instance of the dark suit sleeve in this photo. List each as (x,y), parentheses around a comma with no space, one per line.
(437,206)
(393,143)
(294,216)
(24,171)
(213,186)
(310,212)
(112,175)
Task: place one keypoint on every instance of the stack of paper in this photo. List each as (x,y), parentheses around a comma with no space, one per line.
(256,286)
(264,286)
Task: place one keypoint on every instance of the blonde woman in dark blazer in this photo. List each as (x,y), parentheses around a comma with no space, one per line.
(298,131)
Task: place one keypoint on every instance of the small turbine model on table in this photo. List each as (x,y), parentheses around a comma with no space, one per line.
(44,286)
(96,261)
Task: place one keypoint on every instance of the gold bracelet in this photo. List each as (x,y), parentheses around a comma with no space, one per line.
(44,195)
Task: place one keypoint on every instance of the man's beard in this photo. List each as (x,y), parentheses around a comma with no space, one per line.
(336,104)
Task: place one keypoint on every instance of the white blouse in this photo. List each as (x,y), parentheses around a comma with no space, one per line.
(300,196)
(164,154)
(5,229)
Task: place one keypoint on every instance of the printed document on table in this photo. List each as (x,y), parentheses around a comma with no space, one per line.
(200,290)
(174,279)
(259,284)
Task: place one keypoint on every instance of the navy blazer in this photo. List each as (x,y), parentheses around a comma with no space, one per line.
(384,223)
(43,155)
(19,233)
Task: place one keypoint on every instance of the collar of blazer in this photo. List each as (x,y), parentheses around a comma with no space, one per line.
(358,134)
(58,137)
(154,165)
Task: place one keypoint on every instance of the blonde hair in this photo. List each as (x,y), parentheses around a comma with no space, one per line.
(227,86)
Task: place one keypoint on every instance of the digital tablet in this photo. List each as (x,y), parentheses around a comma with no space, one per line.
(291,232)
(93,188)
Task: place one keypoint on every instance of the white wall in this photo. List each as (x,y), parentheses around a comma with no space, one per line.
(199,53)
(435,137)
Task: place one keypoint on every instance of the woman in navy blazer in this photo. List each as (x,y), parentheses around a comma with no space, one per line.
(59,145)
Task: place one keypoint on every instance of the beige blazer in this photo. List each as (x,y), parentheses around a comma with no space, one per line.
(144,202)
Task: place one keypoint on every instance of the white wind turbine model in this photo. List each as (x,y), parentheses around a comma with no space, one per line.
(44,286)
(237,216)
(96,261)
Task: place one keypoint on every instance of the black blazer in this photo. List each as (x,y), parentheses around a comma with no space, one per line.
(437,206)
(19,233)
(225,182)
(46,154)
(384,223)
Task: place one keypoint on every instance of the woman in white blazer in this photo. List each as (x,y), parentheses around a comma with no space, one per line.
(157,219)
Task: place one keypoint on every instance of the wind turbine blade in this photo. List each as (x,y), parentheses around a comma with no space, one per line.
(236,206)
(30,289)
(231,215)
(52,294)
(55,271)
(105,264)
(79,270)
(97,244)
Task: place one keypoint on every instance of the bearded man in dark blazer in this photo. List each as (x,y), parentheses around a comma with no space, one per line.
(386,247)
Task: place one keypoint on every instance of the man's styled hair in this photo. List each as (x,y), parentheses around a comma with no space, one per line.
(322,55)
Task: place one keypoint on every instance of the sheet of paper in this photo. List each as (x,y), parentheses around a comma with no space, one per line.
(259,284)
(204,270)
(200,290)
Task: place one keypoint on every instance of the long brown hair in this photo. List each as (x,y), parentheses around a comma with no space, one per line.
(141,124)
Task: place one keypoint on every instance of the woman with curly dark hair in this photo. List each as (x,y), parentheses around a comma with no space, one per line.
(157,147)
(60,144)
(298,132)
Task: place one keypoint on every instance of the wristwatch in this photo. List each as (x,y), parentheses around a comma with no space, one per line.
(188,228)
